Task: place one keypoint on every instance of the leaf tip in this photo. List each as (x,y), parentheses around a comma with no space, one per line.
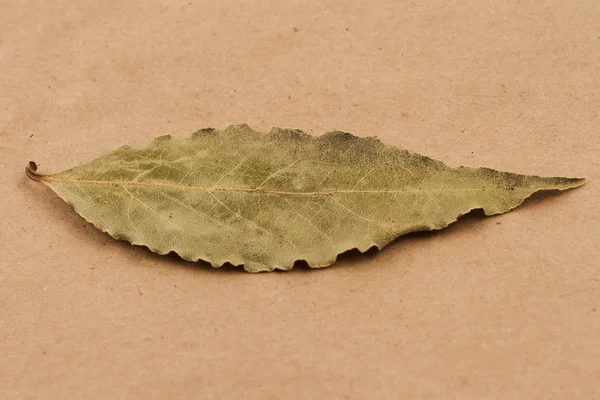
(565,183)
(578,181)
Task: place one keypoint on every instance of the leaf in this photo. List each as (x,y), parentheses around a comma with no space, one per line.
(268,200)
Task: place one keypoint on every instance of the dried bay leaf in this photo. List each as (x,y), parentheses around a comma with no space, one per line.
(267,200)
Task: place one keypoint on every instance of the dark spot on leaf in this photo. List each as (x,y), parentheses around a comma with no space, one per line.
(163,138)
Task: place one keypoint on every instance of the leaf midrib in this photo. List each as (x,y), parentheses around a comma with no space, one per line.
(49,179)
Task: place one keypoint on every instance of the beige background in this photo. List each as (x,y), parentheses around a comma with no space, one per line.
(503,307)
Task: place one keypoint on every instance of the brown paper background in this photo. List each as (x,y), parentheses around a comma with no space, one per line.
(502,307)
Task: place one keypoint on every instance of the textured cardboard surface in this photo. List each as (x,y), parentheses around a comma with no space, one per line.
(502,307)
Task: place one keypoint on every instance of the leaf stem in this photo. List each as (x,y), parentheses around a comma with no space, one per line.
(30,171)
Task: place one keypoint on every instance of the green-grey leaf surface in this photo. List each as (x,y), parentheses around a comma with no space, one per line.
(265,201)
